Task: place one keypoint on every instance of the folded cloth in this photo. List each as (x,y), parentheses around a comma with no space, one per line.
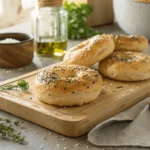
(128,128)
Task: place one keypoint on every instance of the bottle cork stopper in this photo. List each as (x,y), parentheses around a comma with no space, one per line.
(49,3)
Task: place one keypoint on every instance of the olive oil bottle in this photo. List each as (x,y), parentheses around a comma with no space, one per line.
(50,28)
(51,49)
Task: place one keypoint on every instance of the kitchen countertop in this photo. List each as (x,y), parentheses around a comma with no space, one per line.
(38,137)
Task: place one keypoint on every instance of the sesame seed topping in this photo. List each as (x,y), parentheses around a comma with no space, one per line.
(128,57)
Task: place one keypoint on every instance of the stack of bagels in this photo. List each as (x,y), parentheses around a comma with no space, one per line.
(120,57)
(74,83)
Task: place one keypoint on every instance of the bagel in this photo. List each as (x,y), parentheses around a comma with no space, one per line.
(126,66)
(90,51)
(68,85)
(130,43)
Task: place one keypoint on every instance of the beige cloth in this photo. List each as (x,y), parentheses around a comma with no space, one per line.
(128,128)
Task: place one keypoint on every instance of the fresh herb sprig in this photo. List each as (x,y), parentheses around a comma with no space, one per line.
(22,85)
(77,18)
(7,131)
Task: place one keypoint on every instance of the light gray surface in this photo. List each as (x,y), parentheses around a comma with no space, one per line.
(35,141)
(130,127)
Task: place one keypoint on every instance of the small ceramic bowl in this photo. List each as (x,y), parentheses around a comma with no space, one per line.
(15,54)
(133,17)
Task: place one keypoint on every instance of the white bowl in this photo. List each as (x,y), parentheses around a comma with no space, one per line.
(133,17)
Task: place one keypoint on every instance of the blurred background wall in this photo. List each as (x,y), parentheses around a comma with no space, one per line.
(17,11)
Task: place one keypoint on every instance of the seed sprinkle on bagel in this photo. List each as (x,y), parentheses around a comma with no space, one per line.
(126,66)
(65,85)
(90,51)
(130,42)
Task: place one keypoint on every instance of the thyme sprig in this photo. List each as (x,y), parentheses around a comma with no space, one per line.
(22,85)
(7,130)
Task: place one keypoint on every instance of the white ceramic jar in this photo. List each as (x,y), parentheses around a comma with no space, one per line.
(133,17)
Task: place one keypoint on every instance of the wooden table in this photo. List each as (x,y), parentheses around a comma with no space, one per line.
(37,136)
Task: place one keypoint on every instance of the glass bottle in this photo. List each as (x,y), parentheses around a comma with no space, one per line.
(50,28)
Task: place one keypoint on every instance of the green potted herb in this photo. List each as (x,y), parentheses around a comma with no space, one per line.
(77,18)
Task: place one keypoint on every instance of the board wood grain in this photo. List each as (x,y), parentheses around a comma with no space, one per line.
(77,120)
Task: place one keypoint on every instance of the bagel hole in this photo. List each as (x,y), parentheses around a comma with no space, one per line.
(67,74)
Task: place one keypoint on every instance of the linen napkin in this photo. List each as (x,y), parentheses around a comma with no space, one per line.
(128,128)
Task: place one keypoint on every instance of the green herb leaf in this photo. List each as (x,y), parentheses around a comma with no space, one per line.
(16,123)
(22,84)
(7,131)
(77,18)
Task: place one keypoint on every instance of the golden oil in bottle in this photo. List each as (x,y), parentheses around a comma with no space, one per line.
(54,49)
(50,28)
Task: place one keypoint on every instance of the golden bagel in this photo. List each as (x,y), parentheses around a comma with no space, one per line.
(130,42)
(126,66)
(90,51)
(68,85)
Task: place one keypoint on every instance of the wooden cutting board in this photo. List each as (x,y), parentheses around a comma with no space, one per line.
(77,120)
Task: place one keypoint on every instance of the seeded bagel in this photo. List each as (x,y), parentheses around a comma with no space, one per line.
(90,51)
(68,85)
(126,66)
(130,42)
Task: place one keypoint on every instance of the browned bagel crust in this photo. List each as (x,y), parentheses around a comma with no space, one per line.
(126,66)
(68,85)
(130,42)
(90,51)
